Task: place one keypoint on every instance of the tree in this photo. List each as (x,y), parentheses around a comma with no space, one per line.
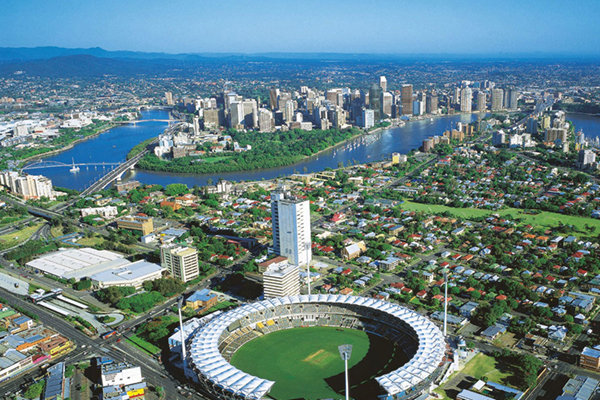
(176,189)
(35,391)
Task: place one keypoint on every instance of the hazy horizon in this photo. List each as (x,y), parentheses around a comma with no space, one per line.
(381,27)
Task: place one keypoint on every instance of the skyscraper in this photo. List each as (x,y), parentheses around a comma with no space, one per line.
(288,112)
(481,101)
(290,217)
(383,83)
(375,101)
(236,115)
(250,113)
(497,99)
(407,99)
(386,104)
(466,98)
(431,103)
(169,98)
(181,262)
(273,98)
(510,98)
(265,120)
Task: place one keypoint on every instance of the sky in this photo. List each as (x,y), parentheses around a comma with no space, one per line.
(348,26)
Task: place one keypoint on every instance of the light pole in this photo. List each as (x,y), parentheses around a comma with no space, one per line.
(445,270)
(345,353)
(307,247)
(179,305)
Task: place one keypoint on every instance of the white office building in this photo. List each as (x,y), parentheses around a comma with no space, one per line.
(181,262)
(120,374)
(280,280)
(291,227)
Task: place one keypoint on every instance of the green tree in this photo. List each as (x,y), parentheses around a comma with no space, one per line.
(176,189)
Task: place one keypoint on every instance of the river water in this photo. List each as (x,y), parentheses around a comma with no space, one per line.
(113,145)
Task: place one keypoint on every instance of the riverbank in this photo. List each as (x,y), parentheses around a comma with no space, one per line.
(269,150)
(67,147)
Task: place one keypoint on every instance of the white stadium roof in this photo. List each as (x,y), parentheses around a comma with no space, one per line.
(211,364)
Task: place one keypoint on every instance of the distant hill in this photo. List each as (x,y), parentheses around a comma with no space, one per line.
(44,53)
(87,66)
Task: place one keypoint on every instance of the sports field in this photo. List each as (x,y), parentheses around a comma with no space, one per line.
(305,362)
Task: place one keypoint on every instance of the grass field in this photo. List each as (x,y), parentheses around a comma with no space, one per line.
(305,362)
(543,219)
(482,365)
(12,239)
(143,344)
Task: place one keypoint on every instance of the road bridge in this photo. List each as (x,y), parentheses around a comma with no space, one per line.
(115,173)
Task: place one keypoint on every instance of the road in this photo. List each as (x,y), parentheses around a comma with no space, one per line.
(153,372)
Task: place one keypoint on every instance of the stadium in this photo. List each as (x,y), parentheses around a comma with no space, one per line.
(286,348)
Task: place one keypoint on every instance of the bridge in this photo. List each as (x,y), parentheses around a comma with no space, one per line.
(115,173)
(170,121)
(57,164)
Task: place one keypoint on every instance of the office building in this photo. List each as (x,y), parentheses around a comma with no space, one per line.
(418,107)
(281,280)
(181,262)
(466,99)
(498,138)
(590,358)
(481,101)
(407,99)
(510,98)
(383,83)
(169,98)
(250,110)
(236,115)
(120,374)
(431,103)
(375,102)
(386,103)
(532,125)
(273,98)
(291,227)
(586,159)
(266,123)
(213,118)
(288,111)
(497,99)
(367,119)
(136,223)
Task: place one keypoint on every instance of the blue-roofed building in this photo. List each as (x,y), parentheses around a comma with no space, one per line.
(469,395)
(493,331)
(590,358)
(579,388)
(201,300)
(55,382)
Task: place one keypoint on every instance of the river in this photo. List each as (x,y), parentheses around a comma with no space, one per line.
(113,145)
(400,139)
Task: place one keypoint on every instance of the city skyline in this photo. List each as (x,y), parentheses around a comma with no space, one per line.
(437,27)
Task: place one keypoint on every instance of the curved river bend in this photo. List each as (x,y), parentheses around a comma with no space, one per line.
(113,145)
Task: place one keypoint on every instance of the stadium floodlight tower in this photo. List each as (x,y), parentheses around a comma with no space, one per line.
(179,306)
(345,353)
(307,247)
(445,271)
